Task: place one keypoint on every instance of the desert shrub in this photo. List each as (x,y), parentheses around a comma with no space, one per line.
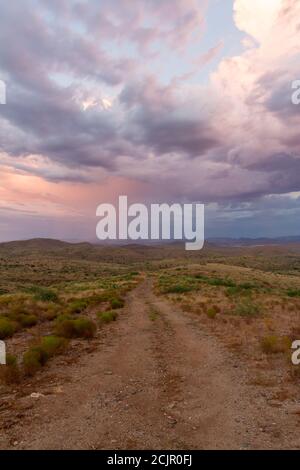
(247,308)
(107,317)
(211,312)
(116,303)
(293,293)
(52,345)
(85,328)
(62,317)
(75,328)
(38,355)
(65,327)
(78,306)
(201,277)
(27,321)
(218,282)
(275,344)
(10,372)
(7,328)
(51,312)
(241,289)
(33,361)
(247,286)
(16,309)
(43,293)
(178,289)
(234,290)
(5,300)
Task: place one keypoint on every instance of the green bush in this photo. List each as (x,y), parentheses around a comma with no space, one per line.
(247,308)
(65,327)
(247,286)
(77,306)
(212,312)
(51,312)
(116,303)
(85,328)
(52,345)
(75,328)
(43,293)
(178,289)
(293,293)
(33,361)
(218,282)
(37,356)
(27,321)
(107,317)
(7,328)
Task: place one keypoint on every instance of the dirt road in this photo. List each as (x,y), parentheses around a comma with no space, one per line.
(153,380)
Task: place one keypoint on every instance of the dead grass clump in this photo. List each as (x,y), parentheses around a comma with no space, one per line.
(247,308)
(75,328)
(212,312)
(38,355)
(275,344)
(7,328)
(28,321)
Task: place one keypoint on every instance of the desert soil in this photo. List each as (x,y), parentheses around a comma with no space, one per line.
(154,379)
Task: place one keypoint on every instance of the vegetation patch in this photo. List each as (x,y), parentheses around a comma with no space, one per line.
(44,294)
(78,306)
(27,321)
(212,312)
(107,317)
(247,308)
(293,293)
(178,289)
(7,328)
(75,328)
(37,356)
(117,303)
(153,314)
(275,344)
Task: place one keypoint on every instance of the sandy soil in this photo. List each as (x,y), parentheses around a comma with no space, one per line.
(154,379)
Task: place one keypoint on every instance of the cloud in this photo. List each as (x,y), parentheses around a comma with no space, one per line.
(257,18)
(113,88)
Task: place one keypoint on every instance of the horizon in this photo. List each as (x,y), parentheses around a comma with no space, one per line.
(191,100)
(118,243)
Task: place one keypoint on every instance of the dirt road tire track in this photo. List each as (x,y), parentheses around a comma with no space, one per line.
(150,384)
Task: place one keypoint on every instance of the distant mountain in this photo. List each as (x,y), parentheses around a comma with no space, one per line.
(253,241)
(106,252)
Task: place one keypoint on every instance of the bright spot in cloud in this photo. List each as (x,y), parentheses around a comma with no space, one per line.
(257,17)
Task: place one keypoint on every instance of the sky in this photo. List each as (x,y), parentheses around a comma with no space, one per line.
(163,101)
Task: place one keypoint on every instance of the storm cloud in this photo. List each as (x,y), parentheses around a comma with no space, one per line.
(126,89)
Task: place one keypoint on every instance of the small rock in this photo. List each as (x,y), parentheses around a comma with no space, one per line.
(36,395)
(275,403)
